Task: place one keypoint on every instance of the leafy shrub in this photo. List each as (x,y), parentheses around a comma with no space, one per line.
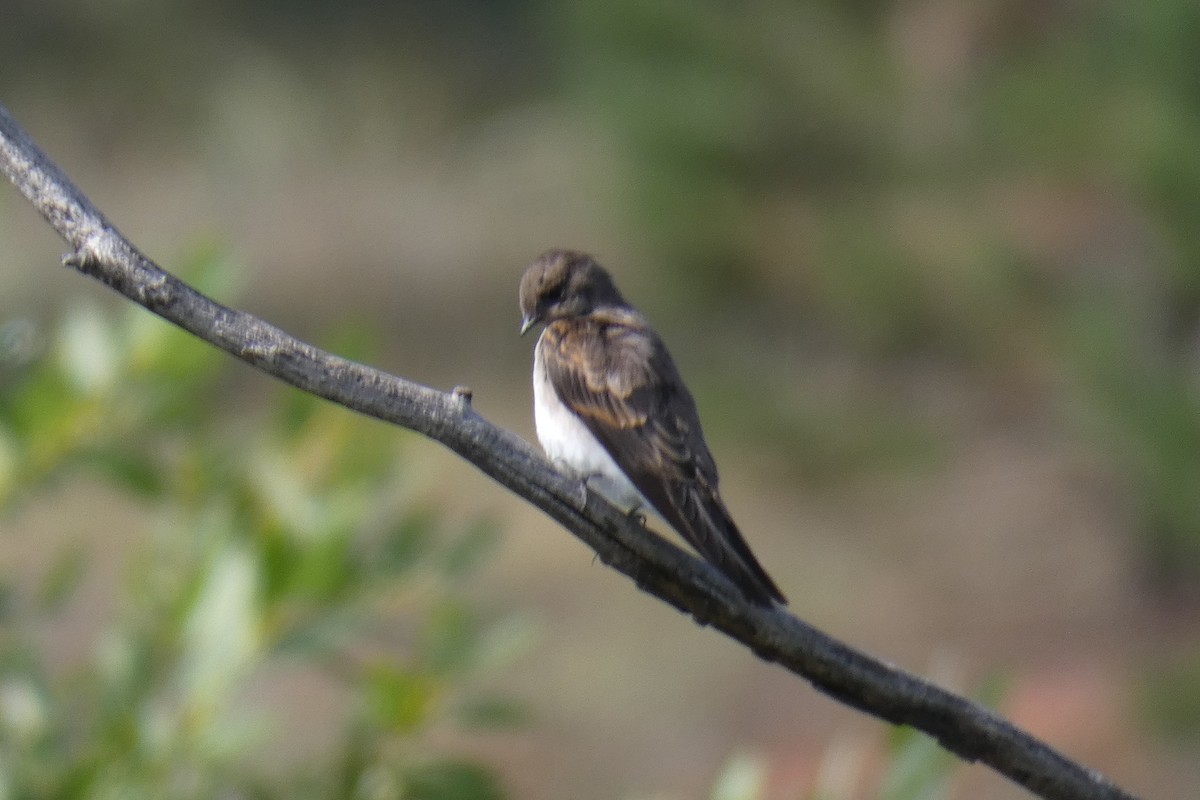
(281,542)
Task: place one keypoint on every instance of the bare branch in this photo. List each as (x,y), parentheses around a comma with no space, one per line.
(657,566)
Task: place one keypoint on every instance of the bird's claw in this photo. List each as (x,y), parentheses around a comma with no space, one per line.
(583,495)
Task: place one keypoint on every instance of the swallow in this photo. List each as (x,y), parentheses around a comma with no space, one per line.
(611,409)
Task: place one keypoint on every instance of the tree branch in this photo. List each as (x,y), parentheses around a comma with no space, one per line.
(657,566)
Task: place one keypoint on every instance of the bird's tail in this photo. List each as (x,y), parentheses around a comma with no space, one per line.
(709,528)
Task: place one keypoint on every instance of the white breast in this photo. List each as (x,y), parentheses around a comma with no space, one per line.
(572,447)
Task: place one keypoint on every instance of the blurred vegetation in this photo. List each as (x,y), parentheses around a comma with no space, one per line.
(914,767)
(1170,698)
(909,765)
(292,546)
(1007,187)
(1004,191)
(1002,188)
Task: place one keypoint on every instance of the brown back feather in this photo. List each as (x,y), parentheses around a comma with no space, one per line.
(615,374)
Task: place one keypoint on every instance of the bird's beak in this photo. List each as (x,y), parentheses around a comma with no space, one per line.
(527,322)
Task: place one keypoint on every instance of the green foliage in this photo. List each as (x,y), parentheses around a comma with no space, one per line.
(1170,698)
(742,778)
(281,543)
(980,188)
(1145,408)
(918,768)
(914,767)
(939,185)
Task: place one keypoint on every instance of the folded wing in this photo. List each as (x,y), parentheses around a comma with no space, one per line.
(616,375)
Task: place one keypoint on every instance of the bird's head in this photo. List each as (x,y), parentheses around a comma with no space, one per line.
(564,283)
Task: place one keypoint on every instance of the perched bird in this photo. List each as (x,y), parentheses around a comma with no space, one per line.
(611,409)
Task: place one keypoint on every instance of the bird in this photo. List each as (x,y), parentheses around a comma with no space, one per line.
(611,409)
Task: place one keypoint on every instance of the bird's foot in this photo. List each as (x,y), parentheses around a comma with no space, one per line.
(582,497)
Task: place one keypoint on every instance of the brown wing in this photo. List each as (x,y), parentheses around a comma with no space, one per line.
(616,375)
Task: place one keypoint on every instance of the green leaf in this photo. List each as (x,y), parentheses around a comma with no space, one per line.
(407,544)
(295,410)
(130,470)
(24,710)
(471,548)
(450,637)
(356,339)
(63,577)
(320,635)
(401,700)
(9,461)
(221,633)
(9,599)
(919,769)
(502,643)
(494,713)
(452,780)
(322,569)
(1170,698)
(45,407)
(89,350)
(743,778)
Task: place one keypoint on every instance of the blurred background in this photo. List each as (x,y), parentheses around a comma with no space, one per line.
(930,267)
